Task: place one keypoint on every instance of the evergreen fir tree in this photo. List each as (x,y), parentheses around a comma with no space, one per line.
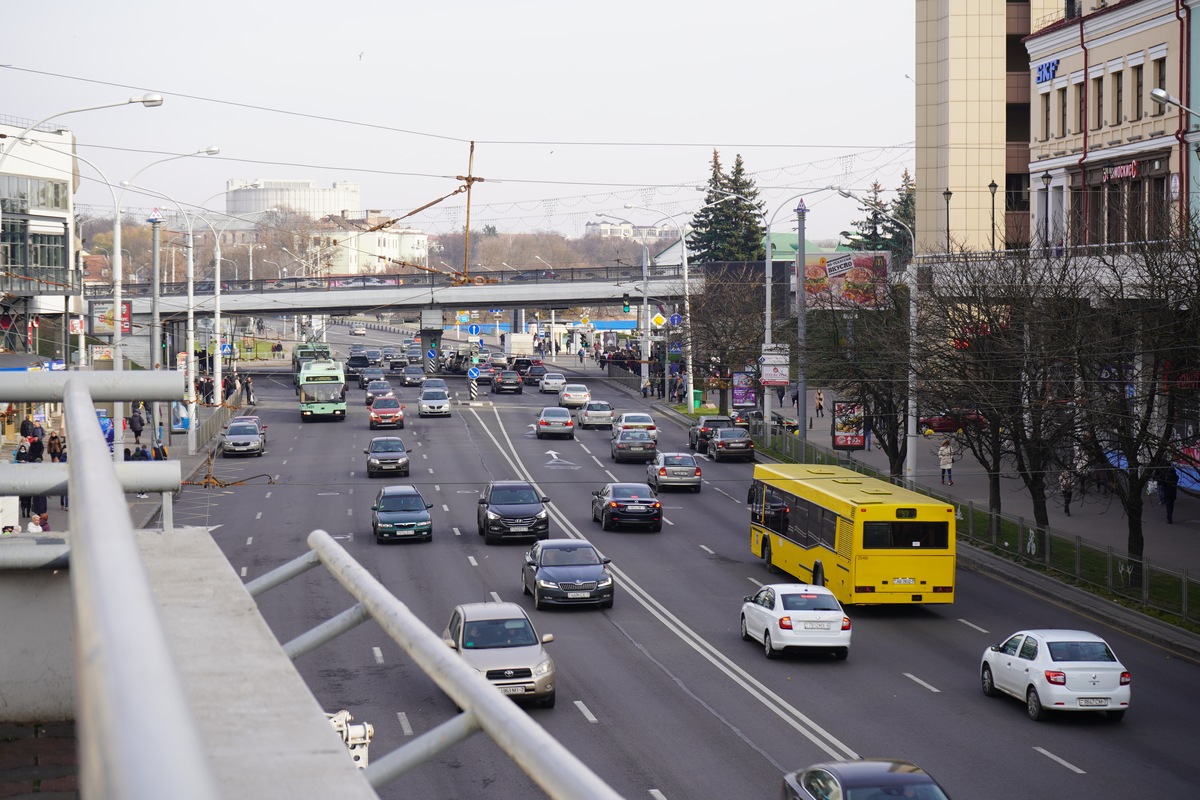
(728,228)
(903,208)
(871,233)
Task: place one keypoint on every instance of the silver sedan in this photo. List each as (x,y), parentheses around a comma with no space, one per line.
(673,469)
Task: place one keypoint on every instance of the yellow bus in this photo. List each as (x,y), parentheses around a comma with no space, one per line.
(867,540)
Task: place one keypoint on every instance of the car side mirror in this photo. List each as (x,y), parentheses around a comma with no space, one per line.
(606,560)
(547,638)
(596,493)
(482,501)
(545,499)
(748,598)
(429,505)
(450,643)
(367,452)
(374,508)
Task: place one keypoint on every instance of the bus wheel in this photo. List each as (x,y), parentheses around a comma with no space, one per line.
(766,550)
(818,574)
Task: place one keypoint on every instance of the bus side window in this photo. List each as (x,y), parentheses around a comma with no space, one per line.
(754,498)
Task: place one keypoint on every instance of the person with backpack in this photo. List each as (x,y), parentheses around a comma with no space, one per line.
(136,426)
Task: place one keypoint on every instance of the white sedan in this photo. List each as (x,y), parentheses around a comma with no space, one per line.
(1057,670)
(433,403)
(795,615)
(358,330)
(552,382)
(574,395)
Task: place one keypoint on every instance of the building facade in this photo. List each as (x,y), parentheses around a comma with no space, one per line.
(1108,164)
(304,197)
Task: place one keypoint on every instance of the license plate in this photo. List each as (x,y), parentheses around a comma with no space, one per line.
(816,626)
(389,466)
(578,595)
(1093,701)
(512,689)
(519,529)
(904,581)
(638,449)
(635,508)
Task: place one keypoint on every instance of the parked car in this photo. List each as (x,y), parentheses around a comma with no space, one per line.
(507,381)
(785,616)
(627,504)
(673,469)
(703,427)
(1057,670)
(387,454)
(376,389)
(433,403)
(632,446)
(867,778)
(726,443)
(596,414)
(951,421)
(412,376)
(555,421)
(574,395)
(552,383)
(243,439)
(567,572)
(400,512)
(635,421)
(386,412)
(512,509)
(499,641)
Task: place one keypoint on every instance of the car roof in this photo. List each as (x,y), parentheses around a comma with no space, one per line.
(711,417)
(636,415)
(873,771)
(666,454)
(576,387)
(556,411)
(376,383)
(556,375)
(1061,635)
(472,611)
(402,488)
(510,484)
(387,439)
(784,588)
(565,544)
(632,485)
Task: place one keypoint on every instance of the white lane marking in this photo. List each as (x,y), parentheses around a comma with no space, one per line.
(598,462)
(788,713)
(972,625)
(583,447)
(350,491)
(425,455)
(405,725)
(375,651)
(588,715)
(436,488)
(707,550)
(722,491)
(276,478)
(1065,763)
(668,521)
(471,560)
(430,470)
(657,795)
(258,515)
(243,572)
(284,462)
(495,597)
(920,682)
(457,532)
(268,494)
(445,507)
(249,540)
(614,477)
(349,512)
(756,583)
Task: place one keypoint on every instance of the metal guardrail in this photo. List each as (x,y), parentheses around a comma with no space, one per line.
(542,757)
(137,736)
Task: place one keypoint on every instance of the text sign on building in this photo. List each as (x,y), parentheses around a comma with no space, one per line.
(1126,172)
(774,365)
(1046,71)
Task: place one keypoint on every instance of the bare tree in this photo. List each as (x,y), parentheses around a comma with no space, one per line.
(726,323)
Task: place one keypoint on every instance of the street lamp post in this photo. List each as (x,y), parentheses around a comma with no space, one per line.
(645,359)
(801,323)
(250,248)
(946,195)
(1046,179)
(768,314)
(992,187)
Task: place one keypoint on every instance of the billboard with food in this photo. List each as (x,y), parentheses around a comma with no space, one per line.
(849,427)
(845,277)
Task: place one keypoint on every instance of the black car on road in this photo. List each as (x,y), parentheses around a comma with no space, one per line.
(510,509)
(632,504)
(703,427)
(567,572)
(507,381)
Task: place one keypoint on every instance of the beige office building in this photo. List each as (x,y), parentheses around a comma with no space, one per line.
(973,120)
(1105,158)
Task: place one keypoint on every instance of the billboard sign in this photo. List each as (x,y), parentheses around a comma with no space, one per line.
(845,278)
(849,431)
(745,395)
(102,316)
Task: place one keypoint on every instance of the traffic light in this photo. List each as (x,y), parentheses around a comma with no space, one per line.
(625,302)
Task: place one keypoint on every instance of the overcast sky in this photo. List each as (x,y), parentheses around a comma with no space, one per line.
(575,108)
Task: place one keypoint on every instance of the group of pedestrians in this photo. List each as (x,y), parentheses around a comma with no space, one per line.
(36,447)
(233,386)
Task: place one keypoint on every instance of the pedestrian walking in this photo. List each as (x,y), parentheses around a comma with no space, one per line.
(1169,483)
(54,447)
(1066,484)
(646,389)
(946,462)
(581,355)
(819,403)
(782,392)
(796,398)
(248,389)
(36,449)
(136,426)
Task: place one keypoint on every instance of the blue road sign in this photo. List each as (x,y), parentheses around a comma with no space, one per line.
(473,330)
(676,347)
(226,349)
(431,354)
(675,320)
(481,342)
(473,373)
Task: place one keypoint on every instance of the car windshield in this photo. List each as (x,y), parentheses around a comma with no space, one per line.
(635,436)
(507,375)
(436,394)
(569,556)
(1080,651)
(401,502)
(388,446)
(679,461)
(632,492)
(243,430)
(513,495)
(733,433)
(809,602)
(378,386)
(488,633)
(598,407)
(386,402)
(413,371)
(374,353)
(556,413)
(718,423)
(573,388)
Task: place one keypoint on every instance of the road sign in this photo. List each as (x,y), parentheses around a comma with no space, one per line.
(473,373)
(226,349)
(463,316)
(584,320)
(481,342)
(431,354)
(676,320)
(676,347)
(658,320)
(473,330)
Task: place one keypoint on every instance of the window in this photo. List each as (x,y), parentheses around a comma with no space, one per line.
(1118,91)
(1098,92)
(1045,116)
(1139,90)
(1017,122)
(1016,192)
(1062,113)
(1080,107)
(906,535)
(1160,82)
(1029,649)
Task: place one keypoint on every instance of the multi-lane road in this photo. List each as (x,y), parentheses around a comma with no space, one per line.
(659,695)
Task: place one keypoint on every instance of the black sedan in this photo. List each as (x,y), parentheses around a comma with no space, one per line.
(566,572)
(870,777)
(628,504)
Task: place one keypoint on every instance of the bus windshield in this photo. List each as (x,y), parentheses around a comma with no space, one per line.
(322,392)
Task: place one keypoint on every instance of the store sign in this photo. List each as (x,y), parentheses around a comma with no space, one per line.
(1127,172)
(1047,70)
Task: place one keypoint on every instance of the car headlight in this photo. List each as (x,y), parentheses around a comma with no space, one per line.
(374,462)
(545,584)
(544,668)
(386,525)
(492,515)
(543,514)
(403,460)
(604,582)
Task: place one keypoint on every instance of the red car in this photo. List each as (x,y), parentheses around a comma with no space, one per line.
(952,421)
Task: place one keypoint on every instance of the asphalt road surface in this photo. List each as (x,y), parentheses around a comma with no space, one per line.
(659,695)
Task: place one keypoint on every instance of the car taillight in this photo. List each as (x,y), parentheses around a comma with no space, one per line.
(785,623)
(649,427)
(704,430)
(614,504)
(1055,677)
(543,422)
(845,623)
(943,589)
(663,470)
(656,505)
(570,423)
(697,472)
(720,444)
(1125,678)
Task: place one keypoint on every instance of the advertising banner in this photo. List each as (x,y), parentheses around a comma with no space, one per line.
(849,432)
(744,394)
(844,278)
(102,315)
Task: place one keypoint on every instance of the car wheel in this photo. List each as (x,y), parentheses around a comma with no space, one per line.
(605,522)
(401,426)
(479,528)
(539,434)
(372,426)
(766,550)
(988,682)
(370,474)
(375,533)
(696,489)
(429,536)
(547,702)
(524,586)
(656,528)
(594,517)
(1115,715)
(768,650)
(842,653)
(745,633)
(406,473)
(1033,705)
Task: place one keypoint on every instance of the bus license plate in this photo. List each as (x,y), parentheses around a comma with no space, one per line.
(578,595)
(816,626)
(512,690)
(904,581)
(1093,701)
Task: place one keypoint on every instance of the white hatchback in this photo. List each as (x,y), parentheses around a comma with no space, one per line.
(1057,670)
(795,615)
(552,382)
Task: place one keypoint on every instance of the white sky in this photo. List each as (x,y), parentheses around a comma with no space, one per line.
(576,108)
